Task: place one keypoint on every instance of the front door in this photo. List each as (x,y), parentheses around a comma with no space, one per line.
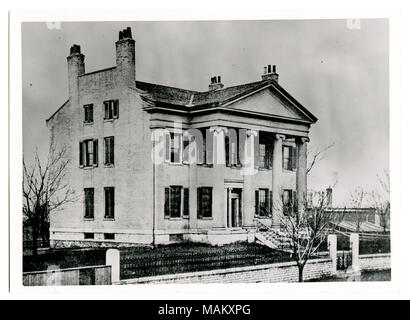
(236,210)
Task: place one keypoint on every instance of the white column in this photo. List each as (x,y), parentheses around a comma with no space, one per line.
(219,144)
(301,180)
(277,179)
(332,246)
(249,153)
(354,245)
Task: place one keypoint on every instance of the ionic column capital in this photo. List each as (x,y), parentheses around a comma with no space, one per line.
(304,139)
(218,129)
(280,136)
(251,132)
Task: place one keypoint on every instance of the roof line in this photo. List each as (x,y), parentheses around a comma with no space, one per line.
(57,110)
(97,71)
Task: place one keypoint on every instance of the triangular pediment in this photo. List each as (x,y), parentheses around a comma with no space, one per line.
(267,101)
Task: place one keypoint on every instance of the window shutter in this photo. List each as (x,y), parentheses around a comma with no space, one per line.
(210,202)
(106,110)
(257,202)
(166,203)
(95,152)
(199,203)
(209,147)
(106,151)
(81,155)
(116,108)
(270,202)
(294,158)
(112,150)
(167,146)
(186,202)
(294,201)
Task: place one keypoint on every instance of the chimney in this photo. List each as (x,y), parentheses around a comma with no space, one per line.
(125,57)
(76,68)
(215,83)
(269,73)
(329,200)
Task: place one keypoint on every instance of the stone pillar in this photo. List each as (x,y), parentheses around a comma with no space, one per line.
(354,245)
(249,170)
(249,154)
(218,195)
(112,258)
(219,145)
(332,246)
(301,179)
(277,179)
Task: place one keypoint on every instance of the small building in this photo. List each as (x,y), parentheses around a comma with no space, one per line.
(158,164)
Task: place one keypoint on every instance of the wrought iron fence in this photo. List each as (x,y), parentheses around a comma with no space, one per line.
(344,260)
(134,265)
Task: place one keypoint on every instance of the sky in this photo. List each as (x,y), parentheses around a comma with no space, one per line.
(338,69)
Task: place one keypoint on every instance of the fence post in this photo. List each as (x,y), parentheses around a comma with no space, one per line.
(112,258)
(332,246)
(354,245)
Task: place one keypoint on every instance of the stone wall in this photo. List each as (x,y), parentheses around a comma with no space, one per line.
(380,261)
(277,272)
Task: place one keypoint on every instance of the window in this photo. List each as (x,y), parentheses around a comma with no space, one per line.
(109,151)
(204,202)
(89,153)
(186,202)
(173,145)
(88,113)
(89,203)
(88,235)
(172,204)
(289,158)
(263,202)
(109,236)
(289,202)
(265,156)
(109,201)
(111,109)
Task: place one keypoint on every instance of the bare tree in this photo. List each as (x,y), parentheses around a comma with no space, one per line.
(44,189)
(357,199)
(307,229)
(381,199)
(316,156)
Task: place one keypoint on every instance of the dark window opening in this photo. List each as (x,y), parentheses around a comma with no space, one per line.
(88,113)
(109,236)
(263,202)
(289,202)
(109,202)
(111,109)
(109,151)
(289,158)
(89,203)
(172,203)
(186,202)
(204,197)
(88,235)
(89,153)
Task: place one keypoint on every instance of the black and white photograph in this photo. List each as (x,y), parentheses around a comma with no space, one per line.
(219,151)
